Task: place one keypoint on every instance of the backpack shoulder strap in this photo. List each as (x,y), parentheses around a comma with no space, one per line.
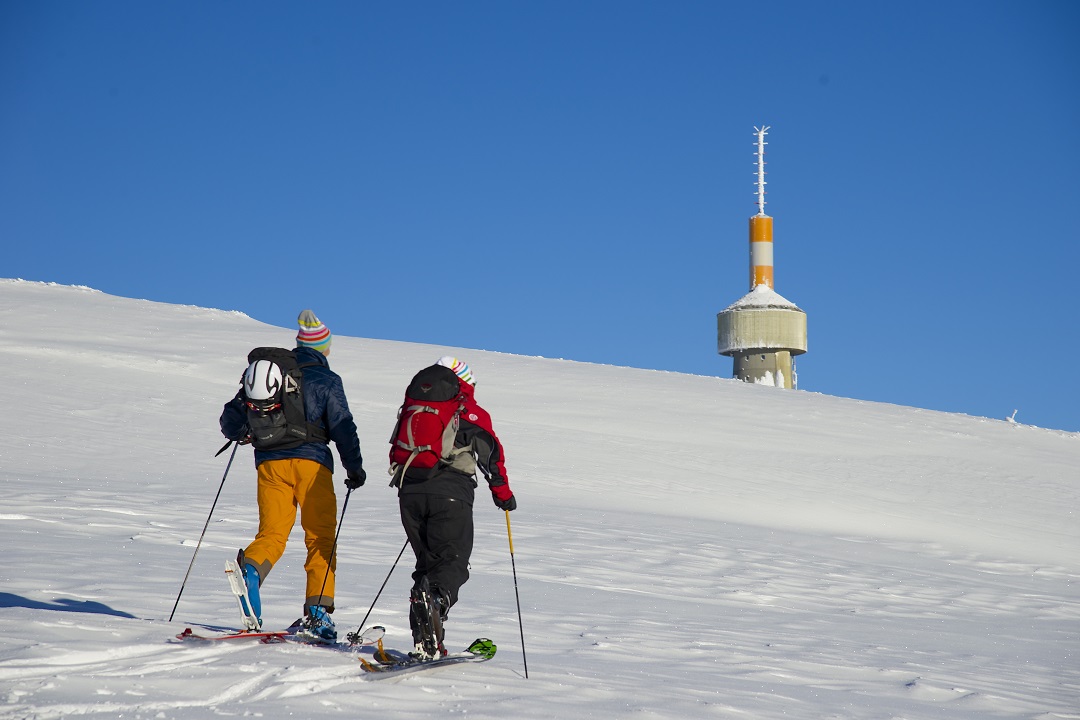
(316,433)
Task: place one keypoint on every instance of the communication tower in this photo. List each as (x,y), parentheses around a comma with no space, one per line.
(762,332)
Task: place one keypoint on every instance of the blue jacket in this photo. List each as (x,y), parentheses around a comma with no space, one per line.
(324,405)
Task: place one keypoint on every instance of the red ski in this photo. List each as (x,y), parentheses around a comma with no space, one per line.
(260,635)
(356,640)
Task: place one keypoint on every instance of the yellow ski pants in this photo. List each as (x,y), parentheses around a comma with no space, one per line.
(285,485)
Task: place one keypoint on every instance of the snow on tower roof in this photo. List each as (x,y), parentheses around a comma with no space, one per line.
(760,298)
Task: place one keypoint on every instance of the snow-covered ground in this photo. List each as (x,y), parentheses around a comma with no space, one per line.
(686,547)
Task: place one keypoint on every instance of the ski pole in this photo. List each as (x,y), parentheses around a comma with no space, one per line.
(199,544)
(361,628)
(333,550)
(513,565)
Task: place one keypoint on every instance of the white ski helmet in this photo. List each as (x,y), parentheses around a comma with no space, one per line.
(262,380)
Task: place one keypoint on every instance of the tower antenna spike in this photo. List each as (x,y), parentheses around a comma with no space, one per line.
(761,132)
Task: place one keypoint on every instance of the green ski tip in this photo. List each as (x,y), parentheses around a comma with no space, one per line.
(483,647)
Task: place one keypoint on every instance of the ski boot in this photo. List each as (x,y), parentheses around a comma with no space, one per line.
(318,625)
(442,603)
(427,610)
(252,581)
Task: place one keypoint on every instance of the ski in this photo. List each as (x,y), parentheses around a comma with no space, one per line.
(367,638)
(260,635)
(386,665)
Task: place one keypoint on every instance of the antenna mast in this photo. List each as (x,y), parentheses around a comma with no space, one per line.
(761,132)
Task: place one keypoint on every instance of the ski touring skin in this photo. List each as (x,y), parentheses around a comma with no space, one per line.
(387,665)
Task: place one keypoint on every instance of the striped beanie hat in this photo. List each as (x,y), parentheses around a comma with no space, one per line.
(460,368)
(313,333)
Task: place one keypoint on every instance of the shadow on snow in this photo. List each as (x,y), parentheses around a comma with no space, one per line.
(8,600)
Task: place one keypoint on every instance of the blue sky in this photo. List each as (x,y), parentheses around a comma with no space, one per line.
(572,179)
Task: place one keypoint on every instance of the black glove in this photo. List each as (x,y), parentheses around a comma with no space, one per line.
(508,504)
(355,479)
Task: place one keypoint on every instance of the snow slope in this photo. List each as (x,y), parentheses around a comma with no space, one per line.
(686,547)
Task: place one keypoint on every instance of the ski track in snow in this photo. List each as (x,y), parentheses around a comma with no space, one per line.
(714,620)
(671,564)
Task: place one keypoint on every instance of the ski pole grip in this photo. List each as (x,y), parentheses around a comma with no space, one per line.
(509,535)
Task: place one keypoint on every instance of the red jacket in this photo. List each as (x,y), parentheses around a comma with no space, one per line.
(477,434)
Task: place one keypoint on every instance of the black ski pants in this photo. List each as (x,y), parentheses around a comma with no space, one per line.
(440,531)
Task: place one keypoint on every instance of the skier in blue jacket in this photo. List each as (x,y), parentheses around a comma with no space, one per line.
(302,477)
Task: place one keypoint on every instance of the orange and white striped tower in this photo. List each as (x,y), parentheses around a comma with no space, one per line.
(761,245)
(762,331)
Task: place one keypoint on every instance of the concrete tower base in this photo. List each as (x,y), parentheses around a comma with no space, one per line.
(762,332)
(772,367)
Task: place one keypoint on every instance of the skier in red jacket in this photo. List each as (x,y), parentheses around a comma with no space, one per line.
(436,512)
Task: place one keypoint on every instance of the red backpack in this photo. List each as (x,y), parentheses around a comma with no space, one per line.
(427,423)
